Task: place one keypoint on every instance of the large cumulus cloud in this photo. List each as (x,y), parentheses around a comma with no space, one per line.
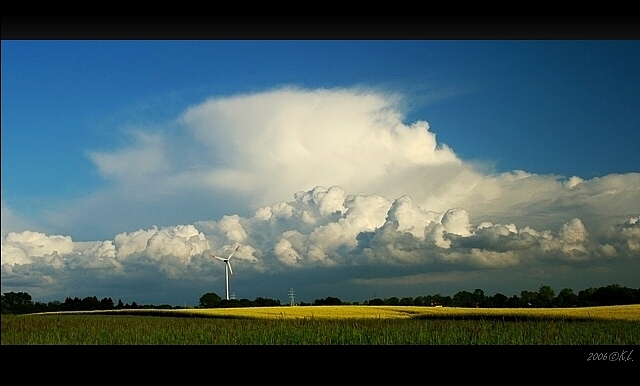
(322,228)
(346,137)
(369,190)
(230,155)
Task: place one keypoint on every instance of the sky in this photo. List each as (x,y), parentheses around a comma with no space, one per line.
(344,168)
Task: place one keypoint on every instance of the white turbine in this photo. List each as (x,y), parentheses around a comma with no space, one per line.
(227,267)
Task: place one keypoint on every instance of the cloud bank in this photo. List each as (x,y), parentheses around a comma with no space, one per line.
(369,191)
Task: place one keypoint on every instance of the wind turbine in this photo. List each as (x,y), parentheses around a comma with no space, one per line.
(227,267)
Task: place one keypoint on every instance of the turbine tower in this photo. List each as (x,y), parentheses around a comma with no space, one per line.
(227,268)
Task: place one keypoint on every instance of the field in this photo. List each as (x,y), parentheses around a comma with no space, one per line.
(331,325)
(631,312)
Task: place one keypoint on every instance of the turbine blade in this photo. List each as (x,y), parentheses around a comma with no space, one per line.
(229,265)
(234,251)
(219,258)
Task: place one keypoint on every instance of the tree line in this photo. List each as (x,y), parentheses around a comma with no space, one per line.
(22,303)
(545,297)
(614,294)
(213,300)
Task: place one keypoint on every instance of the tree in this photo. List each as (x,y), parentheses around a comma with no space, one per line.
(55,305)
(90,303)
(444,300)
(106,304)
(498,300)
(545,296)
(514,302)
(16,303)
(612,295)
(328,301)
(393,301)
(210,300)
(464,299)
(224,303)
(478,296)
(40,307)
(261,302)
(529,299)
(406,301)
(69,304)
(566,298)
(585,297)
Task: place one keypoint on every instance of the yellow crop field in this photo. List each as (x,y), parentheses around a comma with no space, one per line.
(627,312)
(330,325)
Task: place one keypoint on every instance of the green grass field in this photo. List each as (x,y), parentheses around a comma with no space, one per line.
(330,325)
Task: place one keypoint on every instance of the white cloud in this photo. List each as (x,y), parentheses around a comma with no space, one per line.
(233,230)
(351,138)
(348,230)
(412,219)
(625,236)
(231,155)
(25,247)
(145,160)
(456,221)
(369,190)
(573,182)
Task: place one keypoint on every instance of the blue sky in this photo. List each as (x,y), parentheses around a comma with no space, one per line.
(108,138)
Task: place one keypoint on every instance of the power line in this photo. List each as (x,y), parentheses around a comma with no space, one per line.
(291,296)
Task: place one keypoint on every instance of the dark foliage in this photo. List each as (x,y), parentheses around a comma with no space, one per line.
(328,301)
(614,294)
(545,297)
